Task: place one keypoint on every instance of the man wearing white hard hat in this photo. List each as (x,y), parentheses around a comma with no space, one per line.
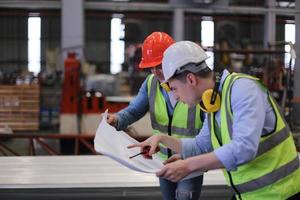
(244,132)
(168,116)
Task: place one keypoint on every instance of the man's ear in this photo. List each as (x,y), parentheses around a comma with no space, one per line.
(191,79)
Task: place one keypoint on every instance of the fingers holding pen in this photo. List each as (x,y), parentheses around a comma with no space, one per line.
(141,145)
(151,142)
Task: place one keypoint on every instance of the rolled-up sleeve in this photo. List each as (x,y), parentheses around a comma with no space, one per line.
(198,145)
(249,104)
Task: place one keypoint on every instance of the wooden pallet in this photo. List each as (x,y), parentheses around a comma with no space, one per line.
(19,107)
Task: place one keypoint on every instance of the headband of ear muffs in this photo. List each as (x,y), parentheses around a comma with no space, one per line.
(211,100)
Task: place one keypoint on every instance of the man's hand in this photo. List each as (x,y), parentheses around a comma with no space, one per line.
(112,119)
(173,158)
(179,169)
(152,142)
(174,171)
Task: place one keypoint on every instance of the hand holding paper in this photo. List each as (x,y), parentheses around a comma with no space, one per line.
(175,171)
(113,143)
(119,146)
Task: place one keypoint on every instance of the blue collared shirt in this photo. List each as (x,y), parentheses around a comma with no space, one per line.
(253,117)
(138,107)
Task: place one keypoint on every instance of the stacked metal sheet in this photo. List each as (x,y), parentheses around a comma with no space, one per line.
(86,177)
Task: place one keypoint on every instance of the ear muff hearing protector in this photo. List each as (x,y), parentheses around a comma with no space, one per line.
(211,100)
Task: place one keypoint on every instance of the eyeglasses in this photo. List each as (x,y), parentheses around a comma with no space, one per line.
(157,68)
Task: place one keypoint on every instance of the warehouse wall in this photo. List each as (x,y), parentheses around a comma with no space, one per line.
(140,25)
(192,30)
(50,37)
(97,40)
(13,41)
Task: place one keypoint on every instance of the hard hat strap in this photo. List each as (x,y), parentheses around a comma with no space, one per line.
(192,67)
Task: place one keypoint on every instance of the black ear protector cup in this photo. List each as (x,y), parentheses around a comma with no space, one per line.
(211,100)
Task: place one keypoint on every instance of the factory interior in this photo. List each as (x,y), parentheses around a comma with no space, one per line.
(63,63)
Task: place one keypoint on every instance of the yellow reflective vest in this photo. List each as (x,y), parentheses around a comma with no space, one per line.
(185,121)
(274,173)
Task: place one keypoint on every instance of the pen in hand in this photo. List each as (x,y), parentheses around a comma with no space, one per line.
(136,155)
(145,152)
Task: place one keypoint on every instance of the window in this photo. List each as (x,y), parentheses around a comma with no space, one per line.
(289,37)
(34,44)
(207,37)
(117,44)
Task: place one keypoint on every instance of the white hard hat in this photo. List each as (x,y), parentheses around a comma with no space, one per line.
(181,54)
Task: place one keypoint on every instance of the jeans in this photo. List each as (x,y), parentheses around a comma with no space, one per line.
(189,189)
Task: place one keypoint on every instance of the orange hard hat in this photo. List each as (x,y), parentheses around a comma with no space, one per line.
(153,49)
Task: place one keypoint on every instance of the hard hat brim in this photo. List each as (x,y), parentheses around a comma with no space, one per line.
(144,65)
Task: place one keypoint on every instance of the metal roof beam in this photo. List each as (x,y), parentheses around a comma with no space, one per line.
(151,7)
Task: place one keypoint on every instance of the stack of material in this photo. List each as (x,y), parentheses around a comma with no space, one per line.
(88,178)
(19,107)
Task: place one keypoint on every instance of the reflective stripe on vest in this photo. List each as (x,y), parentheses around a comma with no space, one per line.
(270,178)
(186,122)
(270,142)
(258,177)
(190,129)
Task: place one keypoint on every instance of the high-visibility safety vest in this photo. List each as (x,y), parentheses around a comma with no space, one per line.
(185,122)
(274,173)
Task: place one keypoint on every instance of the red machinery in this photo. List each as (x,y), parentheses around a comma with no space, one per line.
(94,102)
(80,111)
(71,87)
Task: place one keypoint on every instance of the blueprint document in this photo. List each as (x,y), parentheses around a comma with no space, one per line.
(112,143)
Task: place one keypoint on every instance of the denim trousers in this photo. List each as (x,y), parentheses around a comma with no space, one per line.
(189,189)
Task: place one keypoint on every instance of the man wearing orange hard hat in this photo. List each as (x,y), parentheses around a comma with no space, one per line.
(168,116)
